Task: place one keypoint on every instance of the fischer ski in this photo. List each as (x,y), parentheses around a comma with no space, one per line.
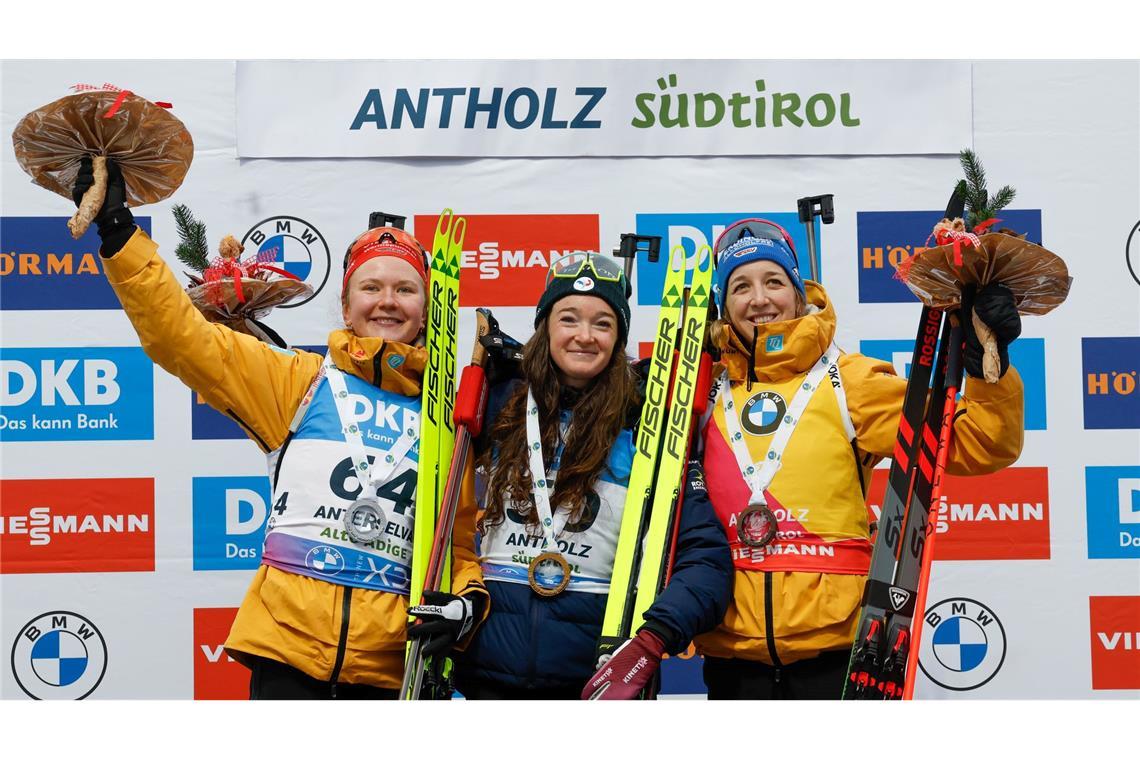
(645,538)
(431,675)
(437,429)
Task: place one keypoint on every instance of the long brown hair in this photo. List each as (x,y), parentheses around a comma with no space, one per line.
(598,418)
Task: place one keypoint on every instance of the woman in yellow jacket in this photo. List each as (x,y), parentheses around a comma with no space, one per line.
(326,612)
(789,629)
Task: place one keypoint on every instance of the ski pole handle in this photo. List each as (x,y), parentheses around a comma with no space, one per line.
(629,246)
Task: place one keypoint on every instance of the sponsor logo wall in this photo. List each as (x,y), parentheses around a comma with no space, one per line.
(886,238)
(1111,374)
(41,266)
(76,394)
(77,526)
(216,674)
(112,490)
(59,655)
(506,256)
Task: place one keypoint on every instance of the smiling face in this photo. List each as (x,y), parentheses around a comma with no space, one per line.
(759,293)
(583,331)
(385,299)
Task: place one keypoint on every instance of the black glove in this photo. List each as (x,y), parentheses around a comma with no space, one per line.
(443,619)
(504,356)
(994,305)
(114,221)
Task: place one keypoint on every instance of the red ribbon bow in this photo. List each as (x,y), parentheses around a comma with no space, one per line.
(224,269)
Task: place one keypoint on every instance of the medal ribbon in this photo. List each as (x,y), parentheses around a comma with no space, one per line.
(538,484)
(369,475)
(758,480)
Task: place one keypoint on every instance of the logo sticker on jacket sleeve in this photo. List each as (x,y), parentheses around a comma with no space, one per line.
(59,655)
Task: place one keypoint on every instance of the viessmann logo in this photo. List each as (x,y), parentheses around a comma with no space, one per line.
(887,238)
(103,525)
(76,394)
(216,674)
(1114,633)
(506,256)
(1027,355)
(693,231)
(42,267)
(1003,515)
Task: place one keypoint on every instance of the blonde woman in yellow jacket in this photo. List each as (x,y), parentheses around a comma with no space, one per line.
(326,612)
(789,629)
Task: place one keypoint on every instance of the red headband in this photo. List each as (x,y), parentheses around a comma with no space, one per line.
(373,244)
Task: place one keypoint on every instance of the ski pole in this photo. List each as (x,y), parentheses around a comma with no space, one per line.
(631,243)
(470,404)
(809,208)
(937,498)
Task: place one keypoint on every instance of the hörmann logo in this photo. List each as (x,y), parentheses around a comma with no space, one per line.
(59,655)
(76,394)
(1114,633)
(229,522)
(1112,512)
(1003,515)
(506,256)
(886,238)
(296,246)
(1111,377)
(42,267)
(103,525)
(1027,355)
(216,674)
(693,231)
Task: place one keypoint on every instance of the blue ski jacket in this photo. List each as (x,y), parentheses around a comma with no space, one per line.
(533,642)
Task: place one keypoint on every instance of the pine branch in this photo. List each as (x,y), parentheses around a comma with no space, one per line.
(975,174)
(193,251)
(976,195)
(1002,199)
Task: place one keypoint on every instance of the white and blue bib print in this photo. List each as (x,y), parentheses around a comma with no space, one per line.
(318,482)
(588,545)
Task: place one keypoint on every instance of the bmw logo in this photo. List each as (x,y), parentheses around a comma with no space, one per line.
(59,655)
(762,413)
(294,245)
(963,644)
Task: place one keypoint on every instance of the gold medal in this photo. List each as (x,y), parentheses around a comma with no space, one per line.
(542,574)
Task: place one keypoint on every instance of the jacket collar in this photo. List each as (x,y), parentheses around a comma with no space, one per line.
(783,349)
(389,365)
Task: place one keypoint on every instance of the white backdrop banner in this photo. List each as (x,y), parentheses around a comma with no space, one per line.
(297,109)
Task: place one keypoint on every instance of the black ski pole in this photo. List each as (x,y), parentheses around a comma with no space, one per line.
(809,208)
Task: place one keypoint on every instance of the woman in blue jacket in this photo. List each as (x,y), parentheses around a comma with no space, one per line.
(556,458)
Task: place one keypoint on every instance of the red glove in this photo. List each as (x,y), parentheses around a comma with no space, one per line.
(628,670)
